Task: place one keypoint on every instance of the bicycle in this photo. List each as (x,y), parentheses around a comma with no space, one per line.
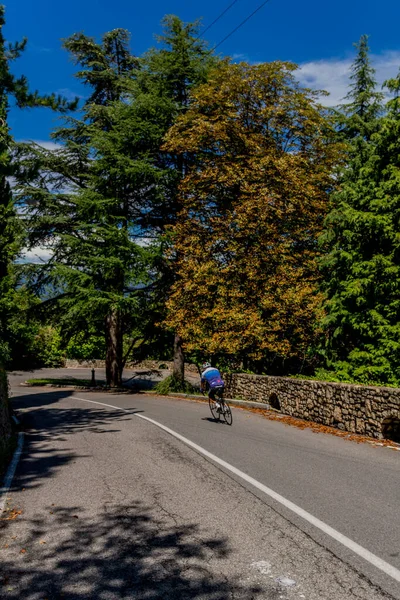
(224,410)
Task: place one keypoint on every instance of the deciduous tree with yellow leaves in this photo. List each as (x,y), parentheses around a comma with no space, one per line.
(262,152)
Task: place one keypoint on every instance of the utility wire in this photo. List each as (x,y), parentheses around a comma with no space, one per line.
(240,24)
(219,17)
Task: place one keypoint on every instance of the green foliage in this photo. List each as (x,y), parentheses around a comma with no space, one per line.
(340,375)
(46,347)
(101,201)
(362,263)
(18,327)
(216,186)
(84,200)
(15,332)
(169,74)
(18,86)
(86,346)
(359,117)
(106,67)
(322,374)
(174,384)
(27,342)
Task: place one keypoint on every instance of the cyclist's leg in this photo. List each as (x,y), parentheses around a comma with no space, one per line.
(212,395)
(220,395)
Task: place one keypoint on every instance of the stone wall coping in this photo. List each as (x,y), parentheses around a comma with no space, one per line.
(299,381)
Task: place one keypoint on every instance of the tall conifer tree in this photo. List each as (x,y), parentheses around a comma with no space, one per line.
(110,184)
(80,201)
(170,74)
(361,266)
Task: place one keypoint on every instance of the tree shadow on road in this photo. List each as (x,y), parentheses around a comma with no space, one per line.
(120,552)
(43,418)
(46,424)
(124,552)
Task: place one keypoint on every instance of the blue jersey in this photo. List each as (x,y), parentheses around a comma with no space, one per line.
(212,376)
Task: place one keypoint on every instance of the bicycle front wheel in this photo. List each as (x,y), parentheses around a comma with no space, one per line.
(227,413)
(214,411)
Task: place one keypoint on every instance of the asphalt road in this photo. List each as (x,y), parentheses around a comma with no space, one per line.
(114,507)
(129,375)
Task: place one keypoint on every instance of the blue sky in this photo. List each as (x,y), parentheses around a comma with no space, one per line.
(318,35)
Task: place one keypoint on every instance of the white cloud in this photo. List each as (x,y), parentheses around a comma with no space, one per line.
(39,49)
(37,255)
(69,94)
(333,75)
(239,57)
(144,241)
(47,144)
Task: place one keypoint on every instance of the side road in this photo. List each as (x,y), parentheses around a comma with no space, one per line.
(105,505)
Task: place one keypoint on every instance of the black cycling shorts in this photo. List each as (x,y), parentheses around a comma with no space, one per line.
(218,390)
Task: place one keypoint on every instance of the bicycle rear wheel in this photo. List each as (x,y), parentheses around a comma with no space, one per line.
(226,411)
(214,411)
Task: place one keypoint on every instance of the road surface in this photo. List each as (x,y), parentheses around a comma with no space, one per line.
(114,507)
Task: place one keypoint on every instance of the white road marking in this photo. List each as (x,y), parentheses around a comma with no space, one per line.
(263,566)
(11,472)
(374,560)
(285,581)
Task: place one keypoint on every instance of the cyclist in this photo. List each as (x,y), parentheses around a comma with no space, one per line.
(211,379)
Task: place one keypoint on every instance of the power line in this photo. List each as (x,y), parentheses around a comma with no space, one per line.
(241,24)
(219,17)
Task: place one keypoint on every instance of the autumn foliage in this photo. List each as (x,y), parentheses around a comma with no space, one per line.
(260,152)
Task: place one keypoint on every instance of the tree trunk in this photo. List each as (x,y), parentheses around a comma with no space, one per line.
(114,364)
(179,359)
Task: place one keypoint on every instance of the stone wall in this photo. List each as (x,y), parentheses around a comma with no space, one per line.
(5,418)
(370,411)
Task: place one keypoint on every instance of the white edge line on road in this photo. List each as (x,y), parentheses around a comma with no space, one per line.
(11,472)
(336,535)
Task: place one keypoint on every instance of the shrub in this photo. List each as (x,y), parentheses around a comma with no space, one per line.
(46,347)
(86,346)
(173,384)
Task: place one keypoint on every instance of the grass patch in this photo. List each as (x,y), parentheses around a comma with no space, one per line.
(66,381)
(6,452)
(173,384)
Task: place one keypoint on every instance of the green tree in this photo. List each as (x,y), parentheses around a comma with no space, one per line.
(83,202)
(86,344)
(20,326)
(111,179)
(253,204)
(168,77)
(46,347)
(11,232)
(359,117)
(361,266)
